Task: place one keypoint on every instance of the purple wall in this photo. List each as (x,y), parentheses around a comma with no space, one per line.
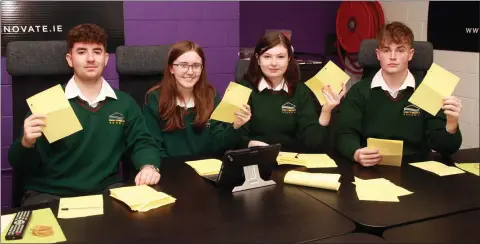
(310,22)
(214,25)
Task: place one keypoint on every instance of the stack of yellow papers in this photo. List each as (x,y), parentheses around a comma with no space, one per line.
(473,168)
(317,161)
(42,217)
(233,100)
(75,207)
(206,166)
(331,75)
(141,198)
(306,160)
(438,168)
(379,189)
(61,119)
(437,84)
(289,158)
(317,180)
(391,150)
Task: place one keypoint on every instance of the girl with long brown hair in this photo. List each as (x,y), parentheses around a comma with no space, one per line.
(178,108)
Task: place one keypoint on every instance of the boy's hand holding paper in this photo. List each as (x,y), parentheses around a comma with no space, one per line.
(234,99)
(391,150)
(330,75)
(438,84)
(61,120)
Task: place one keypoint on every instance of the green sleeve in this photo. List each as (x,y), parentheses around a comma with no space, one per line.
(26,160)
(152,120)
(438,138)
(144,149)
(349,130)
(224,136)
(309,129)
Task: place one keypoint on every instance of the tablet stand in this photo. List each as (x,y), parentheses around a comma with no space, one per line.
(252,179)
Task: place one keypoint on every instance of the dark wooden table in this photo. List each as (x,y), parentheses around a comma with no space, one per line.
(352,238)
(433,196)
(457,228)
(204,214)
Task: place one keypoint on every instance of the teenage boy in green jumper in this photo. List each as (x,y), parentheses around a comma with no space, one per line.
(378,107)
(282,108)
(86,162)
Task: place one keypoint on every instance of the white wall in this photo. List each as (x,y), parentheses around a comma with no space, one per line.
(464,64)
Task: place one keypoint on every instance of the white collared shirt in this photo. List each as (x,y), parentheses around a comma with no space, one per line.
(72,91)
(378,81)
(190,103)
(263,84)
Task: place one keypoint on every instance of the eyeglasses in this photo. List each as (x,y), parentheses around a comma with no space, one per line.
(184,67)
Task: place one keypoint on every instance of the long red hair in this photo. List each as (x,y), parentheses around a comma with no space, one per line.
(203,91)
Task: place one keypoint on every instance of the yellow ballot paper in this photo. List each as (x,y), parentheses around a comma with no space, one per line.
(438,168)
(43,217)
(331,75)
(306,160)
(437,84)
(379,189)
(473,168)
(391,150)
(141,198)
(61,119)
(206,166)
(317,161)
(234,98)
(289,158)
(317,180)
(76,207)
(5,221)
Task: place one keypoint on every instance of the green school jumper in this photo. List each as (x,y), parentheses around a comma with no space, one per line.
(214,139)
(279,118)
(368,112)
(87,161)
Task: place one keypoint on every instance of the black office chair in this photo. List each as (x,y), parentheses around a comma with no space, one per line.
(34,67)
(418,66)
(139,68)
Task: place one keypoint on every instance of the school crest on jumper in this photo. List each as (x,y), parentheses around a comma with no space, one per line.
(411,110)
(289,108)
(116,119)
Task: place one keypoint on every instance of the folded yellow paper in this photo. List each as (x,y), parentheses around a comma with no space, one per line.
(43,217)
(234,98)
(331,75)
(206,166)
(391,150)
(317,180)
(75,207)
(438,168)
(437,84)
(473,168)
(61,120)
(317,161)
(379,189)
(141,198)
(306,160)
